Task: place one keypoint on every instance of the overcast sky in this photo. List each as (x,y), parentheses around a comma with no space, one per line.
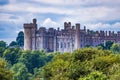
(94,14)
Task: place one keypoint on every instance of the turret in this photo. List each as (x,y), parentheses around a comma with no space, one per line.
(29,35)
(77,37)
(67,25)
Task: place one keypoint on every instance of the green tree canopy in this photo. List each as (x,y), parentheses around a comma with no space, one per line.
(20,72)
(20,39)
(83,64)
(34,59)
(115,48)
(5,74)
(13,44)
(3,44)
(12,55)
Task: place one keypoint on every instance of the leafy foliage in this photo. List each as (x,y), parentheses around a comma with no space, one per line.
(13,44)
(20,39)
(3,44)
(20,72)
(5,74)
(83,64)
(12,55)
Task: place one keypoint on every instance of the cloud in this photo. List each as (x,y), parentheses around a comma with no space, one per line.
(81,13)
(83,3)
(104,26)
(95,14)
(49,23)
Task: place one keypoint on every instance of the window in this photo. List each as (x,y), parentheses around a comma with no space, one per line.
(72,45)
(64,45)
(57,45)
(61,45)
(68,44)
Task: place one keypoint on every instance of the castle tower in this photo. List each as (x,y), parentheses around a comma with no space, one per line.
(67,25)
(77,36)
(29,35)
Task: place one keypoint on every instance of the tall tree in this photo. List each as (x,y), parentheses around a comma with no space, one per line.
(20,39)
(3,44)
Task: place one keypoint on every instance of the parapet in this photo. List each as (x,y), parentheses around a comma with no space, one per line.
(27,25)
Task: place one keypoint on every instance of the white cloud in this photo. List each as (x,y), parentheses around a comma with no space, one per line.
(84,14)
(79,2)
(49,23)
(95,12)
(59,2)
(104,26)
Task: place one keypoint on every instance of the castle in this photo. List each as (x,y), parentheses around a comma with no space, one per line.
(65,40)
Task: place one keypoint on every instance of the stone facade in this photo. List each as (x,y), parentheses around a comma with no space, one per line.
(65,40)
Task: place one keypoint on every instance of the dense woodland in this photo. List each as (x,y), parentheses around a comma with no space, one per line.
(100,63)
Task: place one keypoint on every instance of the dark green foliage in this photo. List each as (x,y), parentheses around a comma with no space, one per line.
(106,46)
(3,44)
(13,44)
(12,55)
(20,39)
(33,59)
(20,72)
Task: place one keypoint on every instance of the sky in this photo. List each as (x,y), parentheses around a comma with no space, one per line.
(94,14)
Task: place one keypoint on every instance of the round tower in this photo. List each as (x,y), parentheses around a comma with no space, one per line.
(77,36)
(27,37)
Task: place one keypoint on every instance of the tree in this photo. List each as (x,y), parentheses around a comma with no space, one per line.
(34,59)
(108,44)
(20,72)
(5,74)
(96,75)
(3,44)
(20,39)
(115,48)
(13,44)
(12,55)
(83,64)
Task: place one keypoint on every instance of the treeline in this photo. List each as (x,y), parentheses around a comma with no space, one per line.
(100,63)
(18,64)
(83,64)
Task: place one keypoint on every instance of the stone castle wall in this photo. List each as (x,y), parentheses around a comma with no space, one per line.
(65,40)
